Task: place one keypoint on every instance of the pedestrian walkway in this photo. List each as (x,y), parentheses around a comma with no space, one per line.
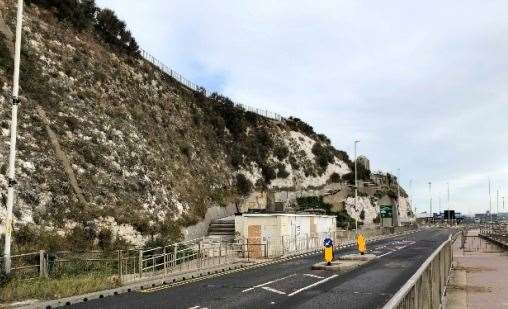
(478,279)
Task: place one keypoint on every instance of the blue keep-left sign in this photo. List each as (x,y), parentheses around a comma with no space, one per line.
(328,242)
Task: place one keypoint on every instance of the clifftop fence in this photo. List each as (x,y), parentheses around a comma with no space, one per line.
(187,83)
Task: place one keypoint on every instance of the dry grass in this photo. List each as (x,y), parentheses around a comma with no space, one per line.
(41,288)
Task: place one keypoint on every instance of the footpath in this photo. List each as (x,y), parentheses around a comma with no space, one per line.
(479,275)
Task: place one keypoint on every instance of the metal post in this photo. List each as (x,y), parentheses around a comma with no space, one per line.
(140,263)
(175,254)
(356,189)
(120,265)
(430,202)
(490,204)
(165,260)
(12,153)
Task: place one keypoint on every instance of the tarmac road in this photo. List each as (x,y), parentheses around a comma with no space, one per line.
(292,283)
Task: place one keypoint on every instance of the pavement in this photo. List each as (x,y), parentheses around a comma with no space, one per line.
(292,283)
(479,276)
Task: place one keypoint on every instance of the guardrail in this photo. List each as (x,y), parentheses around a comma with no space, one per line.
(426,288)
(194,87)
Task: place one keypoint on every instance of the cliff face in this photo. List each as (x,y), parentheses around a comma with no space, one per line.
(113,151)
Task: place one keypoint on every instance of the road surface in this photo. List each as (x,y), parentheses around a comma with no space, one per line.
(292,284)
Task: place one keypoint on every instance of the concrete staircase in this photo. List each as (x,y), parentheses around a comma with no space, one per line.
(223,229)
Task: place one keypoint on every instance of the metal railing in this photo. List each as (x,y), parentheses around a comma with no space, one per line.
(194,87)
(426,288)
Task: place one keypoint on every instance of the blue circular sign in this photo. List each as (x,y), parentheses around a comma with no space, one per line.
(328,242)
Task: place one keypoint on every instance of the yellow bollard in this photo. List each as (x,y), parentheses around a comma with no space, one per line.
(328,251)
(361,243)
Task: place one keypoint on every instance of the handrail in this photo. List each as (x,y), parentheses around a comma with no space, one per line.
(397,299)
(187,83)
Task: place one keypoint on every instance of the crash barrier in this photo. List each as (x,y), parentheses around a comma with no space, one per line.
(194,87)
(496,233)
(426,288)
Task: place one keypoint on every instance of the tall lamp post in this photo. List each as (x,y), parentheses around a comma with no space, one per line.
(430,202)
(356,189)
(12,152)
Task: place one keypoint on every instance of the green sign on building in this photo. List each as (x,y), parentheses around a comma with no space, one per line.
(386,211)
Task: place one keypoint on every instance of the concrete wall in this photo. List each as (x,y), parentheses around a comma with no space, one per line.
(201,228)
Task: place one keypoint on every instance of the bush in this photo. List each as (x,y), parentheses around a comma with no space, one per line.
(344,220)
(281,171)
(296,124)
(323,155)
(84,14)
(362,215)
(186,149)
(268,173)
(312,202)
(281,152)
(243,185)
(334,178)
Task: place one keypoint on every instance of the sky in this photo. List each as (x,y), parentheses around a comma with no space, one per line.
(422,84)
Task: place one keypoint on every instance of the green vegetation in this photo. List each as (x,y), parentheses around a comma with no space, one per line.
(312,202)
(243,185)
(345,221)
(68,285)
(84,15)
(335,178)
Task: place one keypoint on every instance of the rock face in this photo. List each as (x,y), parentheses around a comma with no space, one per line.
(113,151)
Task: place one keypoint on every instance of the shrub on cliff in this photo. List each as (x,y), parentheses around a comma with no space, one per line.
(243,185)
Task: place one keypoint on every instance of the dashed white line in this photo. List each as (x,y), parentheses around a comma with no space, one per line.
(313,285)
(273,290)
(267,283)
(313,276)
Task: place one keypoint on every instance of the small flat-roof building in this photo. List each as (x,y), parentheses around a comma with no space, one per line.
(270,234)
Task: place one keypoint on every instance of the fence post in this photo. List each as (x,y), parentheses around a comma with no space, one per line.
(140,264)
(165,260)
(120,265)
(43,266)
(175,253)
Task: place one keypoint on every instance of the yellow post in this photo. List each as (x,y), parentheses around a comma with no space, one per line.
(360,241)
(328,251)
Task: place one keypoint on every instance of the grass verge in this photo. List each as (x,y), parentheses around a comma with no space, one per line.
(65,286)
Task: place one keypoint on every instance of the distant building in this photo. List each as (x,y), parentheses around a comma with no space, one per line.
(363,161)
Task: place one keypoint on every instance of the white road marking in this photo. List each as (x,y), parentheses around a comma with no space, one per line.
(195,307)
(267,283)
(313,276)
(273,290)
(313,285)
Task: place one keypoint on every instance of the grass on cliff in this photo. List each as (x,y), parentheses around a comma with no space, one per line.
(65,286)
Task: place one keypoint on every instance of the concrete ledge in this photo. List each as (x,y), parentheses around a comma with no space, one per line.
(338,265)
(357,257)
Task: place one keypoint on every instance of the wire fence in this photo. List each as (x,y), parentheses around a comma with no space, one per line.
(194,87)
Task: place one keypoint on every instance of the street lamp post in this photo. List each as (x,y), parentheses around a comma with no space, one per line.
(430,202)
(490,204)
(356,189)
(12,151)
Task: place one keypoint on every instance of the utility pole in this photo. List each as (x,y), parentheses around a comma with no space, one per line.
(12,153)
(490,204)
(396,212)
(448,199)
(497,204)
(411,194)
(356,189)
(430,201)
